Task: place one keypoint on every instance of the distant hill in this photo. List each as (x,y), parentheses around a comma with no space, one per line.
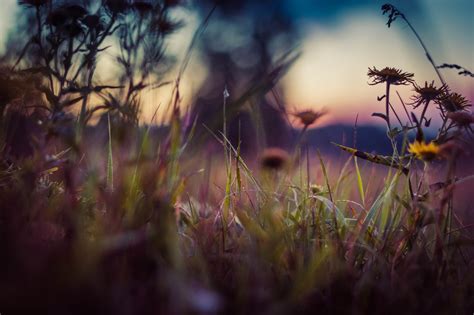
(369,138)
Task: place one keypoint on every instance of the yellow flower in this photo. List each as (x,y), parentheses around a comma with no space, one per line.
(424,151)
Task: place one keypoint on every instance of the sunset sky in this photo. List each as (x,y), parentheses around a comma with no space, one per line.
(340,40)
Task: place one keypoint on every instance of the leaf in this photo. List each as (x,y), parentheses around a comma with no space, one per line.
(427,122)
(331,207)
(380,115)
(360,184)
(375,158)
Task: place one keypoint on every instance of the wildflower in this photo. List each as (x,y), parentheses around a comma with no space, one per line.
(461,118)
(390,76)
(309,117)
(424,151)
(427,93)
(452,102)
(274,158)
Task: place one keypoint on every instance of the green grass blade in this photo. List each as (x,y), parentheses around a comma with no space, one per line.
(360,184)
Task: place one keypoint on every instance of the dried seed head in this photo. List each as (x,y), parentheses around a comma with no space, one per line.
(274,158)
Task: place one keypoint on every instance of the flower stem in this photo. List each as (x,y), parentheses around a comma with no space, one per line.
(424,112)
(387,105)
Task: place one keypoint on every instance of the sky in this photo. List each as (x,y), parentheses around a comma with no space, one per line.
(339,47)
(340,40)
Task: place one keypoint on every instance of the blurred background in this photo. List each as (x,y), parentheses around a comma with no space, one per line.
(332,42)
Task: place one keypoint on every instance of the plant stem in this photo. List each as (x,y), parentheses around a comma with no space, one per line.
(428,55)
(387,105)
(424,112)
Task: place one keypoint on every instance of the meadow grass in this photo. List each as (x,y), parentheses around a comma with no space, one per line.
(123,221)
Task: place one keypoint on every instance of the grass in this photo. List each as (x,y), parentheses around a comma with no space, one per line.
(135,223)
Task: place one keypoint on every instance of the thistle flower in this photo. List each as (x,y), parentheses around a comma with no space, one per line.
(427,93)
(452,102)
(390,75)
(424,151)
(274,158)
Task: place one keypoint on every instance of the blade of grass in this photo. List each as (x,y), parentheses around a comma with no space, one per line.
(360,184)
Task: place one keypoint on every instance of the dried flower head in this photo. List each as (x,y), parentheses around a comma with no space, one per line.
(274,158)
(452,102)
(424,151)
(427,93)
(308,117)
(390,75)
(392,12)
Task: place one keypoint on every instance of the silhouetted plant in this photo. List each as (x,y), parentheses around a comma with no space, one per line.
(69,40)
